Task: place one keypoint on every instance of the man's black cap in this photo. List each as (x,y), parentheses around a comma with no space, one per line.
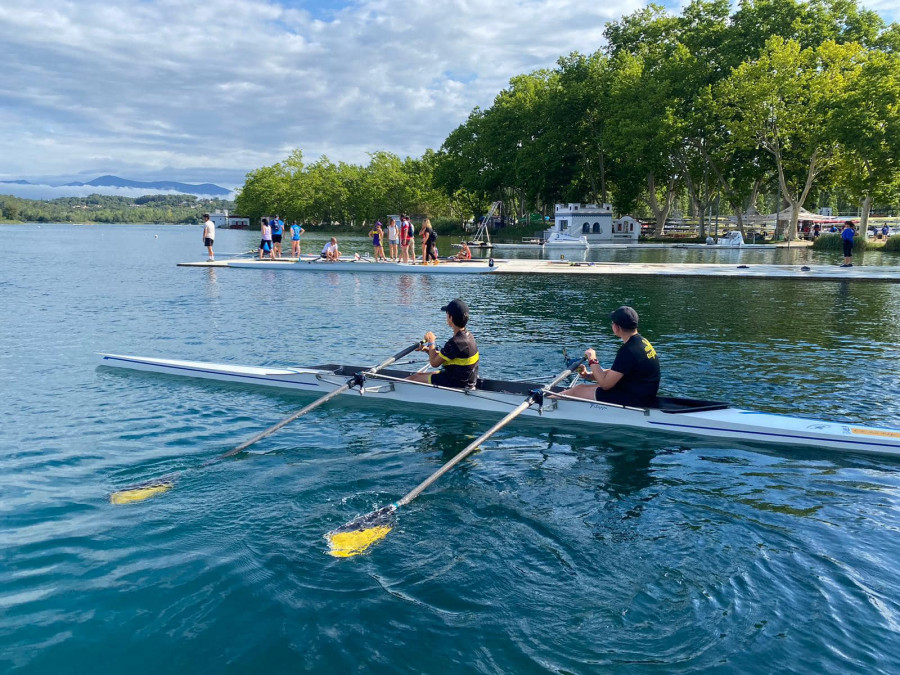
(624,317)
(458,311)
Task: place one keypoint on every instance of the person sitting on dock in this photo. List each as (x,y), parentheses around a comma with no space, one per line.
(331,252)
(465,253)
(265,243)
(458,358)
(633,378)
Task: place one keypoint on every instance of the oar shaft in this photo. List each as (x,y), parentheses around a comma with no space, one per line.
(287,420)
(315,404)
(474,445)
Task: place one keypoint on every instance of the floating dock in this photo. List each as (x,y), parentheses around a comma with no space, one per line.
(719,270)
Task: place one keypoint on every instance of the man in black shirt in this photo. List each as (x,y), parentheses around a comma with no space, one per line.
(633,378)
(458,358)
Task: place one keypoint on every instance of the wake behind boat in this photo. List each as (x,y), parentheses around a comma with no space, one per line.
(709,419)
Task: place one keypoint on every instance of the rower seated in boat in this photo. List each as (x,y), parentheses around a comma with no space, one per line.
(458,358)
(331,252)
(633,378)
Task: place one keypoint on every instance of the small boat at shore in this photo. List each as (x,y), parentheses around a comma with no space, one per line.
(710,419)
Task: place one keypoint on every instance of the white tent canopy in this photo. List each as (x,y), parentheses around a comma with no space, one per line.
(785,217)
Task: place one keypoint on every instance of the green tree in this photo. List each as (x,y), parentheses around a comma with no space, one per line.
(780,102)
(866,122)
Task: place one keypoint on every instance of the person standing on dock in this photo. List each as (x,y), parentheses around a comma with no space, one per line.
(633,378)
(847,242)
(277,233)
(426,223)
(296,231)
(377,235)
(209,235)
(393,235)
(265,242)
(411,244)
(430,247)
(458,358)
(404,240)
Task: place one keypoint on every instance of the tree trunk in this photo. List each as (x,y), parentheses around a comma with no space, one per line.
(864,217)
(604,197)
(660,211)
(795,216)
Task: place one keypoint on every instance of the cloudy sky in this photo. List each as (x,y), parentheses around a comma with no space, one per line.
(205,91)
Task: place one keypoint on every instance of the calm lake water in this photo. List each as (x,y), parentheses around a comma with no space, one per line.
(569,550)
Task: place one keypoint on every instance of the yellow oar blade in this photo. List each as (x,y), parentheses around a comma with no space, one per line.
(349,544)
(139,494)
(360,533)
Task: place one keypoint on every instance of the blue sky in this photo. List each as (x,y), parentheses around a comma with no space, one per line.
(207,91)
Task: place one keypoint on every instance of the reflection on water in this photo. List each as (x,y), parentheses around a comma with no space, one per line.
(212,283)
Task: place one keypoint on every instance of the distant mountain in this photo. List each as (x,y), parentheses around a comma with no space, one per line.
(16,182)
(206,189)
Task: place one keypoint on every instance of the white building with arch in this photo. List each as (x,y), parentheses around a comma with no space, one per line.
(595,223)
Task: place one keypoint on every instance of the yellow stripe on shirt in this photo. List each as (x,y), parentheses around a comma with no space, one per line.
(469,361)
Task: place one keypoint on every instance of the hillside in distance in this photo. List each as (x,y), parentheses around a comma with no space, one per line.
(187,188)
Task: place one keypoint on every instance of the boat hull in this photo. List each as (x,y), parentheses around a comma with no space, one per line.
(676,416)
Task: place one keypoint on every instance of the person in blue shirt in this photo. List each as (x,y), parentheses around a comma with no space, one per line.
(296,231)
(885,230)
(277,232)
(847,242)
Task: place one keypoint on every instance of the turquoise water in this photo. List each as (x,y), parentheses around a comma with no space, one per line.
(566,549)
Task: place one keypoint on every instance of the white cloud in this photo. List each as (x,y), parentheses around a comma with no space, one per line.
(230,85)
(235,84)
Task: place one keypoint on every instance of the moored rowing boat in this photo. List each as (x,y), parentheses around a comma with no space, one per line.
(677,415)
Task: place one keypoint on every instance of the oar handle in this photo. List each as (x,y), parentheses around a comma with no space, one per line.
(474,445)
(357,378)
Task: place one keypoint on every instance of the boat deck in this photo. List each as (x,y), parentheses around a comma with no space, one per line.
(729,270)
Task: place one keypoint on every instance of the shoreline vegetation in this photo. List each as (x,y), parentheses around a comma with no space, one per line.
(720,109)
(95,208)
(451,230)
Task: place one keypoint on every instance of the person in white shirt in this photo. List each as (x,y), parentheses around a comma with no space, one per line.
(209,235)
(393,236)
(331,252)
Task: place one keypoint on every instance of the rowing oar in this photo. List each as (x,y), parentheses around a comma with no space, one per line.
(360,533)
(137,493)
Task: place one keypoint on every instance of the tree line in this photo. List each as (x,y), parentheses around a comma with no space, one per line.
(97,208)
(710,106)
